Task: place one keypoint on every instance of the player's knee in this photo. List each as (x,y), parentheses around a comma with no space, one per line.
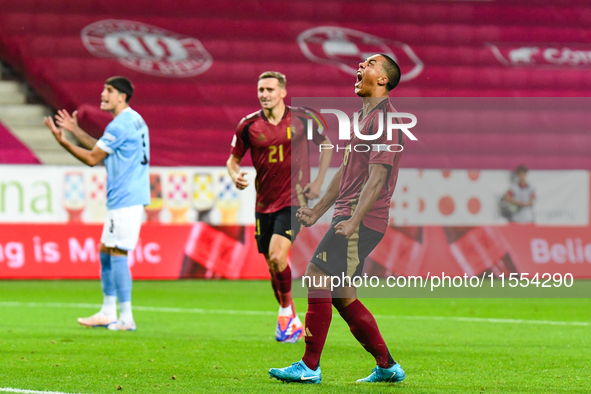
(313,270)
(277,261)
(314,278)
(342,303)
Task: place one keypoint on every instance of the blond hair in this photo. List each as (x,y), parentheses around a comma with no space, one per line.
(277,75)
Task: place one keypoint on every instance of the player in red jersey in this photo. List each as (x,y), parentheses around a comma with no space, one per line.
(361,191)
(276,137)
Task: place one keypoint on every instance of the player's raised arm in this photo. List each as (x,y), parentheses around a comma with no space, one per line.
(88,157)
(233,165)
(378,173)
(70,122)
(309,216)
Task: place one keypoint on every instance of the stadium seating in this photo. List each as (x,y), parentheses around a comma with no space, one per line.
(12,151)
(476,49)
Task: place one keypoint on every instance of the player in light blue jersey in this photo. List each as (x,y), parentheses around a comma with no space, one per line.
(125,149)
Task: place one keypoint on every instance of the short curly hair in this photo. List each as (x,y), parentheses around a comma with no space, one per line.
(392,72)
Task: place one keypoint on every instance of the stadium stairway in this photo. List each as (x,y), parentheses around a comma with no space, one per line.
(25,122)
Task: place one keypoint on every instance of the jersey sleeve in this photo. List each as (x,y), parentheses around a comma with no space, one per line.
(113,138)
(318,134)
(384,151)
(306,118)
(240,142)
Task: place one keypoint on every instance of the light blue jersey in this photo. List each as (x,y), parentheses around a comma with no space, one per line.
(127,142)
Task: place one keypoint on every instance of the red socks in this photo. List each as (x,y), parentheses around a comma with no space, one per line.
(360,321)
(366,331)
(318,320)
(274,285)
(283,283)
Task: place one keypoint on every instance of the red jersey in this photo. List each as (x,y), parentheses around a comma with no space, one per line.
(356,168)
(280,154)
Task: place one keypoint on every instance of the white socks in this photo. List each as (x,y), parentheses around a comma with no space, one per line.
(287,311)
(125,314)
(109,307)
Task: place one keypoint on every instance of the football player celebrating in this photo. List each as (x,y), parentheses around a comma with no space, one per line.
(277,138)
(361,191)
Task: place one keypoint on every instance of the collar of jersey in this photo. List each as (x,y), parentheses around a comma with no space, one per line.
(287,108)
(386,100)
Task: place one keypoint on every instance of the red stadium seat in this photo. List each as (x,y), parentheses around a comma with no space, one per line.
(464,48)
(12,151)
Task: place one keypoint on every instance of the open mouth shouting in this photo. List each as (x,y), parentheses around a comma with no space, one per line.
(359,79)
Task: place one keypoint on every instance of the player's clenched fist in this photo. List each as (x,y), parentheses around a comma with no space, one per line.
(346,228)
(307,216)
(240,181)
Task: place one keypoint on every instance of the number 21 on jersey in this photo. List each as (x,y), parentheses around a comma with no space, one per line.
(275,153)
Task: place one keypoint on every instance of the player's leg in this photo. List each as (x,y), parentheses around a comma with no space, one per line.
(273,281)
(277,260)
(125,225)
(328,260)
(109,307)
(365,329)
(296,226)
(318,318)
(108,312)
(263,234)
(272,248)
(289,326)
(123,286)
(285,230)
(361,322)
(283,233)
(329,257)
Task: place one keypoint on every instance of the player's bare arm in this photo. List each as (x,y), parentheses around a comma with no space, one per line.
(70,123)
(309,216)
(233,165)
(369,194)
(88,157)
(312,189)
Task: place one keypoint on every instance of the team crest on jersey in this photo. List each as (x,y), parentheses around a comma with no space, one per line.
(345,48)
(147,49)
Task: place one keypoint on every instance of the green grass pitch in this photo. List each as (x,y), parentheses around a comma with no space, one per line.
(218,336)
